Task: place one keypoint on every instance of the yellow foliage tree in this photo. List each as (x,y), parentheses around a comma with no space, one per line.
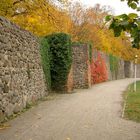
(43,17)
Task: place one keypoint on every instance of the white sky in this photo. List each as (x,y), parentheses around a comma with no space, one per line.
(118,6)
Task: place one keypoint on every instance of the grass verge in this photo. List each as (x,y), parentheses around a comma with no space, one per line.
(132,103)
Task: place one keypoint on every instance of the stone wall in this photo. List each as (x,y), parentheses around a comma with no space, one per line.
(21,75)
(129,69)
(119,73)
(138,71)
(81,66)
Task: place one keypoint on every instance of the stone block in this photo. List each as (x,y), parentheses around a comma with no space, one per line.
(81,66)
(18,107)
(9,109)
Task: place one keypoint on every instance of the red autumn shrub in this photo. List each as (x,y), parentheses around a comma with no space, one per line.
(98,70)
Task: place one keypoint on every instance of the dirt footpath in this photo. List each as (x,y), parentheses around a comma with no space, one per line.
(91,114)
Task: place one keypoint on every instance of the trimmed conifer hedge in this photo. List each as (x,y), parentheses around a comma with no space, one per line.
(60,59)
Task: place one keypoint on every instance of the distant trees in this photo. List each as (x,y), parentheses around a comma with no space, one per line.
(84,24)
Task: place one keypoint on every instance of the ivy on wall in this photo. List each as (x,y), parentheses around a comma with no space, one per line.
(60,59)
(90,53)
(45,51)
(114,64)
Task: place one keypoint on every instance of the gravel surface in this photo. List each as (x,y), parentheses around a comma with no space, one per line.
(89,114)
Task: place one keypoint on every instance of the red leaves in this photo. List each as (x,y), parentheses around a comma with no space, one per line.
(98,70)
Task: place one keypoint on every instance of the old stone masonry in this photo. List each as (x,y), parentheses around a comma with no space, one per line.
(21,74)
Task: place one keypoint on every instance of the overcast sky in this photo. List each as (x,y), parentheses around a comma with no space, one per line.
(118,6)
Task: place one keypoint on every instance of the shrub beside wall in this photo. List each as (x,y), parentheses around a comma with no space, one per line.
(60,59)
(45,51)
(114,66)
(90,53)
(98,70)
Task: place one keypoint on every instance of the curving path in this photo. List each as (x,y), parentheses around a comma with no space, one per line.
(91,114)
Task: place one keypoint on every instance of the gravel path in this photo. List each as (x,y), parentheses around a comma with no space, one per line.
(91,114)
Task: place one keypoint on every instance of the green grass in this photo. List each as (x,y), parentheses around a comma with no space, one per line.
(132,99)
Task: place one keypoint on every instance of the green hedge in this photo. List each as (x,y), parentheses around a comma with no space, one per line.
(45,51)
(60,59)
(90,53)
(114,61)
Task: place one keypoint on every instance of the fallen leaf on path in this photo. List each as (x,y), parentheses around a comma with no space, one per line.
(36,126)
(68,139)
(4,126)
(39,118)
(86,126)
(16,135)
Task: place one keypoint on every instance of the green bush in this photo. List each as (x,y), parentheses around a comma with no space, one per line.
(45,51)
(90,53)
(114,65)
(60,59)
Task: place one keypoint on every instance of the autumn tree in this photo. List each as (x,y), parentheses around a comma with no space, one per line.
(88,26)
(39,16)
(128,23)
(85,19)
(84,24)
(16,7)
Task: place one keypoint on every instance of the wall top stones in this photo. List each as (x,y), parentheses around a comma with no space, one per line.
(14,42)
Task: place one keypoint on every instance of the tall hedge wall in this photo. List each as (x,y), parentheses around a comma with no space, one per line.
(60,59)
